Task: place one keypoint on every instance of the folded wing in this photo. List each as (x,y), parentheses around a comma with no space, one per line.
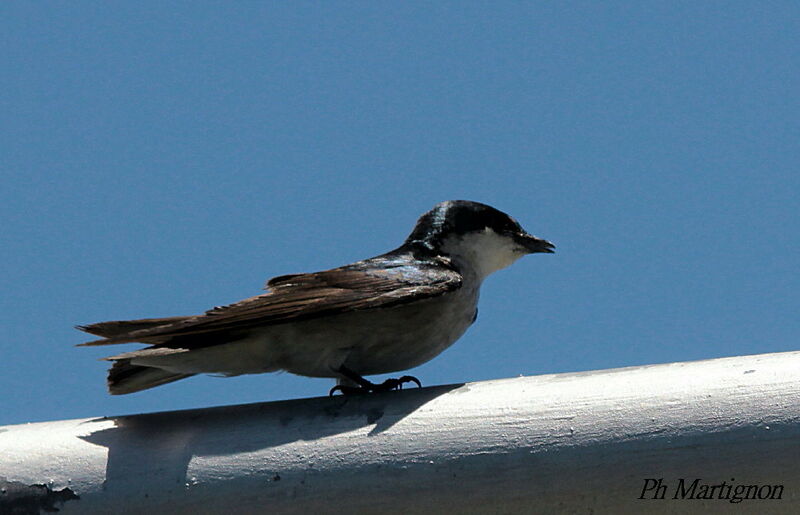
(298,297)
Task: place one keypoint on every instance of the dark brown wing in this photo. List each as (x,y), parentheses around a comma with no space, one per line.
(306,296)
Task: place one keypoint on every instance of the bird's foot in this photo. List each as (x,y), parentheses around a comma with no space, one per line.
(367,387)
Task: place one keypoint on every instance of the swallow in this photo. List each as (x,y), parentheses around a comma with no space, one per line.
(382,315)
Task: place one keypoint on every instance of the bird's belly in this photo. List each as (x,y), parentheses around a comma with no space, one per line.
(381,341)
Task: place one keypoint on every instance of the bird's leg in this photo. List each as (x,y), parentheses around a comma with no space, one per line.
(365,386)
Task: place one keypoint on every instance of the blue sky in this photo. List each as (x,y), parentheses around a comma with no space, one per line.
(160,158)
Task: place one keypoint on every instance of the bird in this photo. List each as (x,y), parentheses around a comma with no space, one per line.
(381,315)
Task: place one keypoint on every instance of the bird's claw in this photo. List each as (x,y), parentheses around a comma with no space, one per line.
(388,385)
(397,384)
(347,390)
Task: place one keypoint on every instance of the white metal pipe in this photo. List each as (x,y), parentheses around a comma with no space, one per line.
(564,443)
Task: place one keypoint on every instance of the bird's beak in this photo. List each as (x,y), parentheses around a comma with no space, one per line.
(533,244)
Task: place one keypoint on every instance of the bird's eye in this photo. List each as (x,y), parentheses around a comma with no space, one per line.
(512,227)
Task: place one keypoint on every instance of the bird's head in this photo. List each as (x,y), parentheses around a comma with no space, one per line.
(475,236)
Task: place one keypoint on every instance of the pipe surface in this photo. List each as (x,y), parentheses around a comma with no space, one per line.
(589,442)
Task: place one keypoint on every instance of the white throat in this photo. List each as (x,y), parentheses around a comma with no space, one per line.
(482,252)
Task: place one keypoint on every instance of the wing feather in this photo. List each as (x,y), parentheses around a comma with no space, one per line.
(306,296)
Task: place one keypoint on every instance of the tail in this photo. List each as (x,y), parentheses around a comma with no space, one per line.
(123,377)
(116,330)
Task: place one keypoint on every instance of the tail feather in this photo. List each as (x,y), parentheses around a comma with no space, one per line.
(124,377)
(117,328)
